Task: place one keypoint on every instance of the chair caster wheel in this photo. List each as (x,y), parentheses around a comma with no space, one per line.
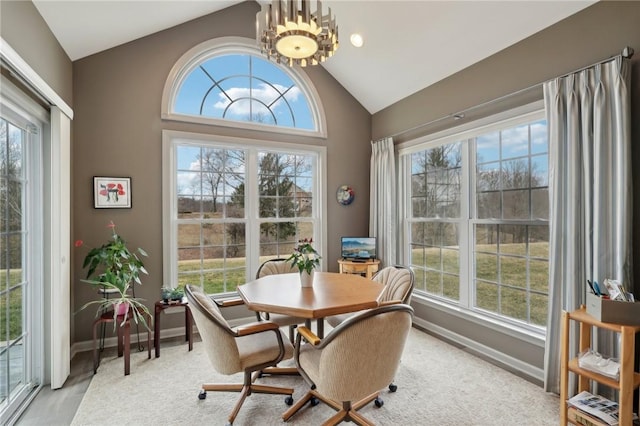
(393,388)
(288,400)
(202,394)
(379,402)
(314,401)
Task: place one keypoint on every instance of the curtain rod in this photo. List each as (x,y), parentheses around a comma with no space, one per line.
(627,52)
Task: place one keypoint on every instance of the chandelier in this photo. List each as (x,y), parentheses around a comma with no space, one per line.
(296,36)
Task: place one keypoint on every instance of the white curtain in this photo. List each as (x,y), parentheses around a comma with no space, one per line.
(588,119)
(383,198)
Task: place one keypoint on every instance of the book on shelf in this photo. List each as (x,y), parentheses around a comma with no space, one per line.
(596,406)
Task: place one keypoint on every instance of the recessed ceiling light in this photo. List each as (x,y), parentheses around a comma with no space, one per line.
(356,40)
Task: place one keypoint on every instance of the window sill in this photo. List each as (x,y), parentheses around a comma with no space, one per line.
(529,336)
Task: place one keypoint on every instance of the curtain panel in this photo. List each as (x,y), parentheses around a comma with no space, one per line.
(590,195)
(383,200)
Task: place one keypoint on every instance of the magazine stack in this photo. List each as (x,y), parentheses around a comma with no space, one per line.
(593,410)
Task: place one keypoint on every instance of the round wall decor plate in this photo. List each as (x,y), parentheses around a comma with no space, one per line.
(345,195)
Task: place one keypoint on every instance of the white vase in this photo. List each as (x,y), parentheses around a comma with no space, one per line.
(306,279)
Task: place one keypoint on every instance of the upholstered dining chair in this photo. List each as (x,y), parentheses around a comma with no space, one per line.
(248,348)
(355,360)
(398,284)
(273,267)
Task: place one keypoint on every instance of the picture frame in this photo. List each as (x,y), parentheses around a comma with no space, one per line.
(111,192)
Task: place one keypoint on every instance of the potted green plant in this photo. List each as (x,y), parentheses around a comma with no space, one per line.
(115,269)
(166,294)
(177,293)
(306,259)
(172,294)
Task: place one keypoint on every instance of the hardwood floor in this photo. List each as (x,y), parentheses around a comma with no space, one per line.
(58,407)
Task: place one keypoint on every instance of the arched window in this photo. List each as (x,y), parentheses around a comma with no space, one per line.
(228,82)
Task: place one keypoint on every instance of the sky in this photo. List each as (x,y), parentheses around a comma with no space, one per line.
(238,86)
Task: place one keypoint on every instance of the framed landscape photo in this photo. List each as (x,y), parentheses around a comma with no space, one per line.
(111,192)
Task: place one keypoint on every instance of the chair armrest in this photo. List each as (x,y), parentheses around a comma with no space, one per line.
(309,336)
(390,302)
(228,302)
(256,327)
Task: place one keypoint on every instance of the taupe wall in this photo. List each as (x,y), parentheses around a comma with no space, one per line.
(26,32)
(117,132)
(598,32)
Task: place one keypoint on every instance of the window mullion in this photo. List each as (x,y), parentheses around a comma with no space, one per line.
(466,234)
(252,201)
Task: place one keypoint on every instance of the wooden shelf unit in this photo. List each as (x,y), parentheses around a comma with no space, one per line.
(629,377)
(368,268)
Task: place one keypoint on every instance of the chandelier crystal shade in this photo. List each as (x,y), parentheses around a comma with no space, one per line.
(296,36)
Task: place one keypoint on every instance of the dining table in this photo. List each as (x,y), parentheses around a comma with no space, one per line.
(331,294)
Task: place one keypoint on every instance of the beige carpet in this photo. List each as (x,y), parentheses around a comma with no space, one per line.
(438,384)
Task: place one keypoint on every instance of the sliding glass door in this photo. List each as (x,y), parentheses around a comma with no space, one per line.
(21,355)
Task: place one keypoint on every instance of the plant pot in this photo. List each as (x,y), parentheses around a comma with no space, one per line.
(306,279)
(121,308)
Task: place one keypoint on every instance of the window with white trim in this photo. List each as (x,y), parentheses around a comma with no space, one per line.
(228,82)
(229,203)
(232,204)
(477,221)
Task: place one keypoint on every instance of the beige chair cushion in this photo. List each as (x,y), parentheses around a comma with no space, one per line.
(285,320)
(210,306)
(336,320)
(361,359)
(259,348)
(398,284)
(275,267)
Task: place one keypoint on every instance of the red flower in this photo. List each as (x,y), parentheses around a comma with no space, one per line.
(111,225)
(78,243)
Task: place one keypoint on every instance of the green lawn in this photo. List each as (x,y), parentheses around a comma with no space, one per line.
(502,278)
(222,275)
(439,276)
(15,306)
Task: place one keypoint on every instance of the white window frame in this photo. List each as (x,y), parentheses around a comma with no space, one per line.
(171,139)
(238,45)
(463,308)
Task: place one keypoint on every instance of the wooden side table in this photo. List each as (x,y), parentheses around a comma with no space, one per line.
(188,321)
(367,268)
(123,329)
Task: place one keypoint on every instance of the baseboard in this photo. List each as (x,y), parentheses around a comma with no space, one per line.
(527,371)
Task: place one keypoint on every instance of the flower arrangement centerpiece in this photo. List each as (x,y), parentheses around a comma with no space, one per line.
(306,259)
(114,269)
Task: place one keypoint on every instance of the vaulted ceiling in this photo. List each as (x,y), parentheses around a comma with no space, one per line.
(408,45)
